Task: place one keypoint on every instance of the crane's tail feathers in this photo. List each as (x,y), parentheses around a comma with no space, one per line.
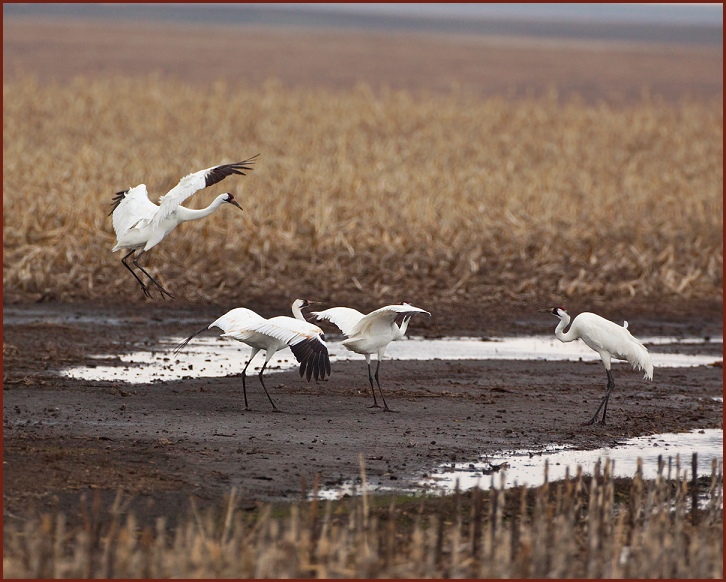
(640,360)
(648,372)
(183,344)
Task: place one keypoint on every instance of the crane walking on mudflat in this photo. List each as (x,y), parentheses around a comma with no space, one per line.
(370,334)
(609,340)
(306,341)
(141,224)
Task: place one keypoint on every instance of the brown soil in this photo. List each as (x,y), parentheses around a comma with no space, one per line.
(164,442)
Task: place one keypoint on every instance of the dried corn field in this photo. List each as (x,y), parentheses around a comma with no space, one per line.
(593,527)
(390,193)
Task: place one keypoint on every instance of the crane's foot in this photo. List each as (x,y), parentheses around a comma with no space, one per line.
(146,291)
(375,405)
(386,409)
(163,291)
(592,421)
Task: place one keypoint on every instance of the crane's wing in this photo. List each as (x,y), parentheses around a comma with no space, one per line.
(305,340)
(386,316)
(132,209)
(237,319)
(344,318)
(191,183)
(604,335)
(233,323)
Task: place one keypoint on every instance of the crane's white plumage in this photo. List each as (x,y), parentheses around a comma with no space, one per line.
(370,334)
(609,340)
(344,318)
(140,224)
(305,339)
(134,211)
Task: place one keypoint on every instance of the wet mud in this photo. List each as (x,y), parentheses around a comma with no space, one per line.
(67,441)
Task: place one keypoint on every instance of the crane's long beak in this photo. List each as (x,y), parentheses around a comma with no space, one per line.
(548,310)
(236,204)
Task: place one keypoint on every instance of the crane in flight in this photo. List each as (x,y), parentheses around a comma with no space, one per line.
(370,334)
(609,340)
(305,339)
(141,224)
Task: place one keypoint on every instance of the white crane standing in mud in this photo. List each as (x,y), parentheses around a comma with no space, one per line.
(305,339)
(141,224)
(370,334)
(609,340)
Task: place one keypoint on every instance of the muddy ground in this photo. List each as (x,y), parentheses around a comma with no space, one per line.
(163,442)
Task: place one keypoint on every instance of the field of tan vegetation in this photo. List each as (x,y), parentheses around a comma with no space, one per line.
(396,194)
(596,527)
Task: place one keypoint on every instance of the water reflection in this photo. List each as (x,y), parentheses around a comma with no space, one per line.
(215,357)
(525,467)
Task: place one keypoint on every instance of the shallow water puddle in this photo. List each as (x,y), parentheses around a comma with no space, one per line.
(205,358)
(524,467)
(213,357)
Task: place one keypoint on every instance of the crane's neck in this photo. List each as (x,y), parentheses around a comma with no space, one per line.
(187,214)
(297,312)
(560,329)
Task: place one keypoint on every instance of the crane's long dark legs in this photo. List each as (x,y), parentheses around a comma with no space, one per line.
(611,385)
(125,264)
(244,385)
(154,281)
(373,390)
(370,379)
(604,401)
(263,386)
(385,406)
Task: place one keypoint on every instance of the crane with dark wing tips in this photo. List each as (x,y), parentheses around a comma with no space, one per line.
(140,224)
(305,339)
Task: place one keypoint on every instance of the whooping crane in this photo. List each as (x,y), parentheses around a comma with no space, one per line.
(370,334)
(141,224)
(609,340)
(306,341)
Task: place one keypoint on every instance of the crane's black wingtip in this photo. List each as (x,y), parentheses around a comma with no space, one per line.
(314,359)
(116,200)
(219,173)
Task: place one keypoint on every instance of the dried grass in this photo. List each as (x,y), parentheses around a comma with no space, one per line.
(577,528)
(394,194)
